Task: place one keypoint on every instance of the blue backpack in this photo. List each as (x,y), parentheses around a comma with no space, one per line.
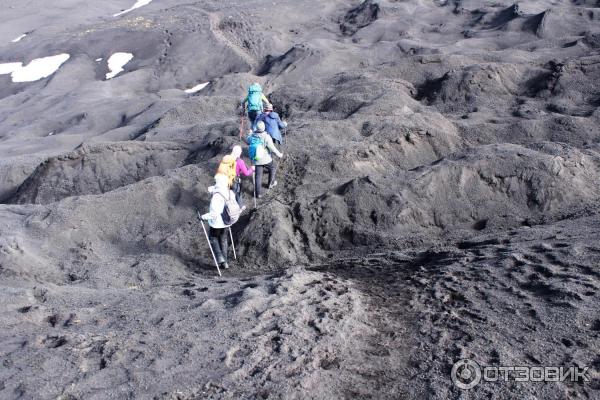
(256,149)
(255,98)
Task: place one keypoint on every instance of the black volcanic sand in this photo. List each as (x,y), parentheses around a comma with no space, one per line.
(438,200)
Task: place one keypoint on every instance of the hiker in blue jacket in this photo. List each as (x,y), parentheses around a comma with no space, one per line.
(273,124)
(254,102)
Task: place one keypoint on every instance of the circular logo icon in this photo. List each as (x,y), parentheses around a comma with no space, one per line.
(466,374)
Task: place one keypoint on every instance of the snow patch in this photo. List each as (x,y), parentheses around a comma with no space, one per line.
(407,110)
(138,4)
(38,68)
(197,88)
(9,68)
(116,62)
(17,39)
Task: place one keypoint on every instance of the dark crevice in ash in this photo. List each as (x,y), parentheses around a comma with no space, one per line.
(359,17)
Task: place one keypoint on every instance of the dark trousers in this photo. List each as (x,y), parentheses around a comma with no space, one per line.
(252,117)
(237,189)
(271,169)
(219,243)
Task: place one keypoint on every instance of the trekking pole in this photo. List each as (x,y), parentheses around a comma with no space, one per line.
(242,121)
(254,187)
(283,135)
(242,118)
(209,246)
(232,244)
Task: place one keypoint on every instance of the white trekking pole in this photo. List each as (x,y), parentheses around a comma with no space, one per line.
(209,246)
(254,186)
(232,244)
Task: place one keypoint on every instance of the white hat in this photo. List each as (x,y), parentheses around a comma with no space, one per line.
(236,151)
(221,181)
(260,126)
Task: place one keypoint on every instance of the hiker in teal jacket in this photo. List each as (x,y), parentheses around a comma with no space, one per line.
(254,102)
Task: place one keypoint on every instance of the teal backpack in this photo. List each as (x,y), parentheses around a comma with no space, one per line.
(256,148)
(255,98)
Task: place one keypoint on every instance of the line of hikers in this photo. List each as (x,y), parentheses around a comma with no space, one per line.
(226,204)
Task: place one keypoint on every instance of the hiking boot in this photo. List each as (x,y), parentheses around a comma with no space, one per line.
(272,185)
(225,265)
(259,196)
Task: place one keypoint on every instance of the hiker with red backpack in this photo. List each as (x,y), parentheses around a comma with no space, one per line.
(260,147)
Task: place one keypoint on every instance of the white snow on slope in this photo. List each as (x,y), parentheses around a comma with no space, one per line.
(197,88)
(15,40)
(138,4)
(9,68)
(35,70)
(116,62)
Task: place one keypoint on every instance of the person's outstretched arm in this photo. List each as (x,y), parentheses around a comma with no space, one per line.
(271,146)
(241,168)
(280,123)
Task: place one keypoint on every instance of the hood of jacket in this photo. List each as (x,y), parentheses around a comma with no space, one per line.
(221,185)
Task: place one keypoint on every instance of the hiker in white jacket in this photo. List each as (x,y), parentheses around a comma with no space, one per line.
(218,230)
